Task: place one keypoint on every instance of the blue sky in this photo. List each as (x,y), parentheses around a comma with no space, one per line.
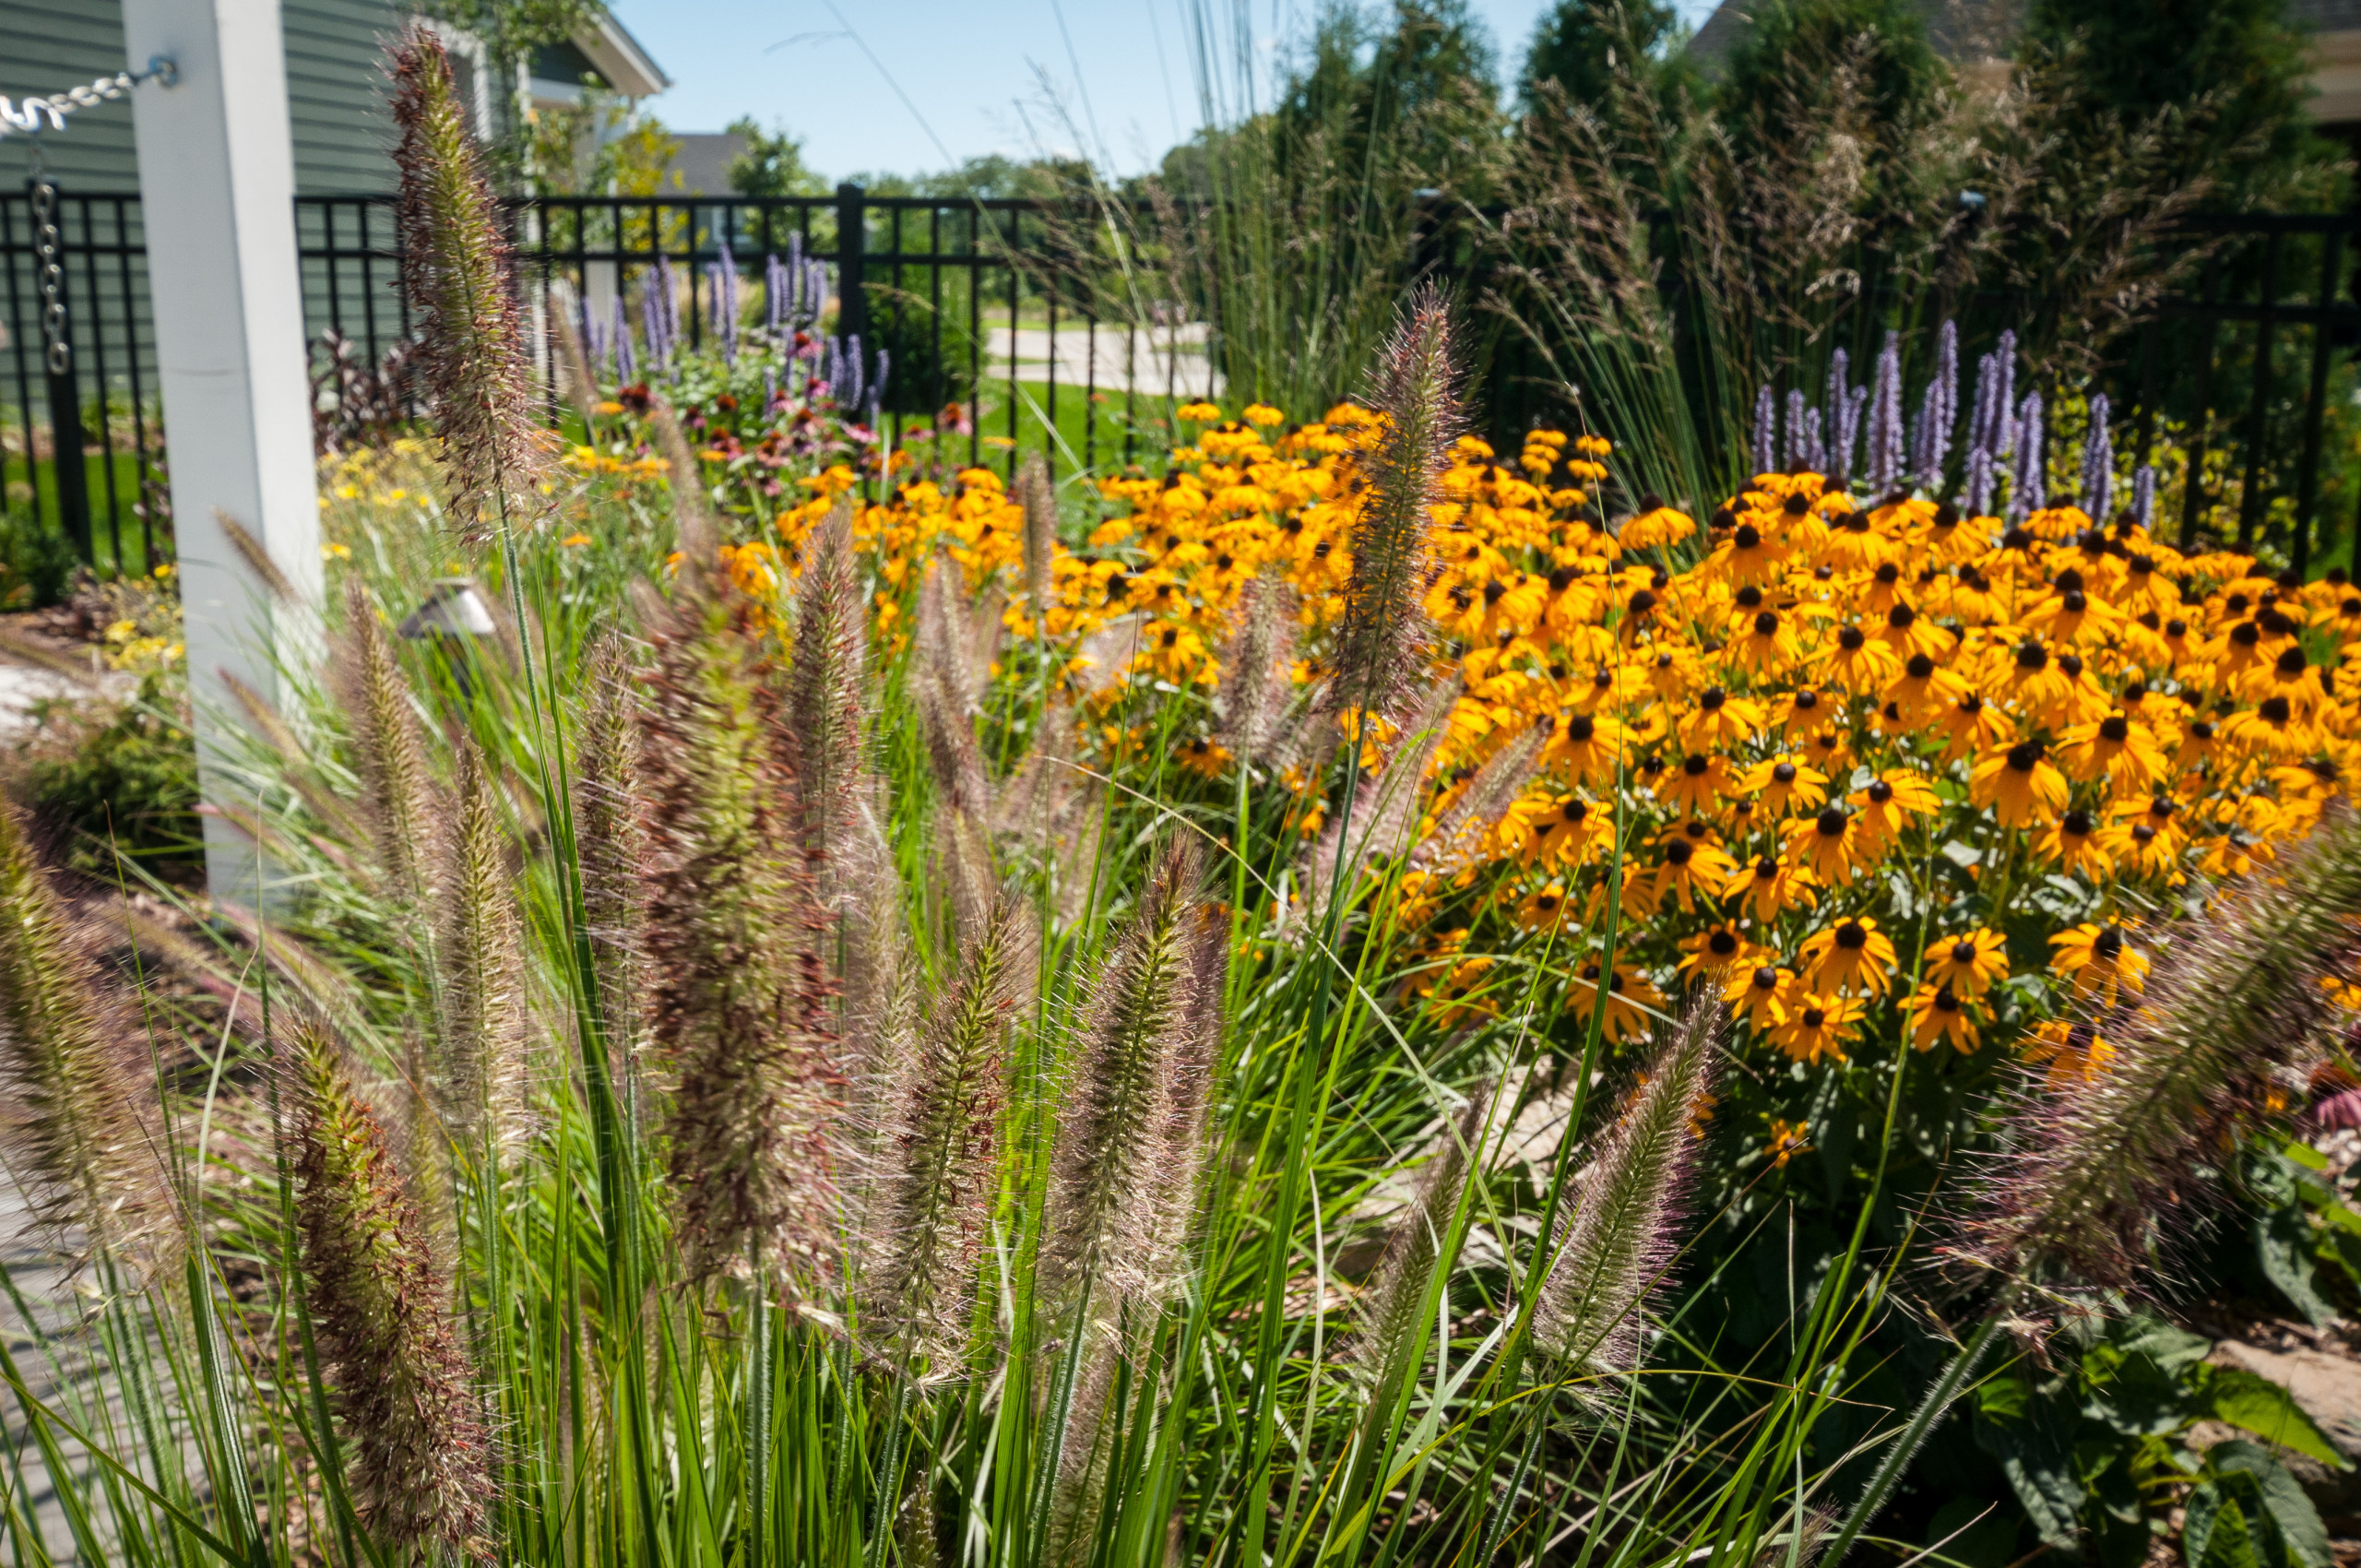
(997,76)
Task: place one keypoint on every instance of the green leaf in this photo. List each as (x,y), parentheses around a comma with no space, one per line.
(2172,1348)
(2034,1455)
(2290,1512)
(2259,1406)
(2227,1542)
(2284,1244)
(2303,1154)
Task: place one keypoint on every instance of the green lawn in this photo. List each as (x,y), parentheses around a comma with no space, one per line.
(1077,443)
(126,481)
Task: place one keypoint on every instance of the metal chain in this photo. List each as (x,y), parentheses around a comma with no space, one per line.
(25,117)
(47,244)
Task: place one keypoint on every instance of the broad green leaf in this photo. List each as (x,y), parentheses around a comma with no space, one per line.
(2259,1406)
(2284,1502)
(2283,1245)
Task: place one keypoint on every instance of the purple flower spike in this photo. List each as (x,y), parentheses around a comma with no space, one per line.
(626,362)
(1848,434)
(1815,447)
(2143,495)
(1766,429)
(2028,494)
(1885,421)
(2098,463)
(1792,450)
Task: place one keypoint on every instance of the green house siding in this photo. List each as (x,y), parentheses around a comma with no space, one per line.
(336,105)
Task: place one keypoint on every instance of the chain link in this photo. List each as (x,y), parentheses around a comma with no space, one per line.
(25,116)
(47,244)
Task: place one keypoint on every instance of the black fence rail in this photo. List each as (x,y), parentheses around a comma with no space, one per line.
(1013,325)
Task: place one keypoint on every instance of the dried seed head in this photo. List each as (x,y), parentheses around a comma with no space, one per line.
(1115,1128)
(1391,1319)
(1382,646)
(1463,826)
(82,1132)
(611,843)
(1614,1250)
(694,533)
(935,1196)
(1038,498)
(397,790)
(823,698)
(1385,808)
(482,1089)
(421,1464)
(2098,1162)
(1255,681)
(457,275)
(739,996)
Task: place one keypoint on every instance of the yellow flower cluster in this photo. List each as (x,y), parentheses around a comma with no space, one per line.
(1790,709)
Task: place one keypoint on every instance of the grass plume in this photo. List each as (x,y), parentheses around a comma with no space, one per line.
(1613,1250)
(1382,646)
(737,993)
(421,1463)
(2100,1160)
(479,947)
(397,789)
(455,275)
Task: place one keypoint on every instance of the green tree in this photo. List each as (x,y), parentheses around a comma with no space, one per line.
(1584,45)
(771,164)
(2229,77)
(1795,44)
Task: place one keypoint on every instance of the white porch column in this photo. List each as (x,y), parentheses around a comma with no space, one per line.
(217,186)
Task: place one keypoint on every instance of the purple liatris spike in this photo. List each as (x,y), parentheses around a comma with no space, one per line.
(833,370)
(2143,494)
(1840,367)
(1979,494)
(2027,493)
(626,362)
(652,321)
(848,392)
(774,295)
(2004,394)
(1885,420)
(1814,448)
(2098,463)
(1943,395)
(1766,429)
(1848,434)
(877,384)
(1792,452)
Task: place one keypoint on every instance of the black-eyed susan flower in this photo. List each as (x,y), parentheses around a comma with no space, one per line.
(1817,1028)
(1543,911)
(2098,960)
(1828,845)
(1588,747)
(1757,994)
(1768,887)
(1719,947)
(1886,804)
(2018,783)
(1970,963)
(1697,785)
(2070,1050)
(1852,955)
(1786,787)
(1629,997)
(2075,843)
(1718,719)
(1970,725)
(1937,1014)
(1691,869)
(1788,1140)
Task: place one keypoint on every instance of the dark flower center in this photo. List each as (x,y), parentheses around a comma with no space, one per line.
(1831,823)
(1920,667)
(1748,537)
(1678,851)
(2108,947)
(2115,727)
(1580,727)
(1814,1018)
(2032,656)
(1783,772)
(1880,792)
(1964,951)
(1695,765)
(1767,623)
(2023,755)
(1851,637)
(1766,978)
(2275,709)
(2075,824)
(1722,943)
(1807,699)
(1852,936)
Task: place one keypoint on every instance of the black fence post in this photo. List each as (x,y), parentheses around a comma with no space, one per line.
(852,237)
(71,478)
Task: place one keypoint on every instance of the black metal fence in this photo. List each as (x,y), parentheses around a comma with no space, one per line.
(1016,311)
